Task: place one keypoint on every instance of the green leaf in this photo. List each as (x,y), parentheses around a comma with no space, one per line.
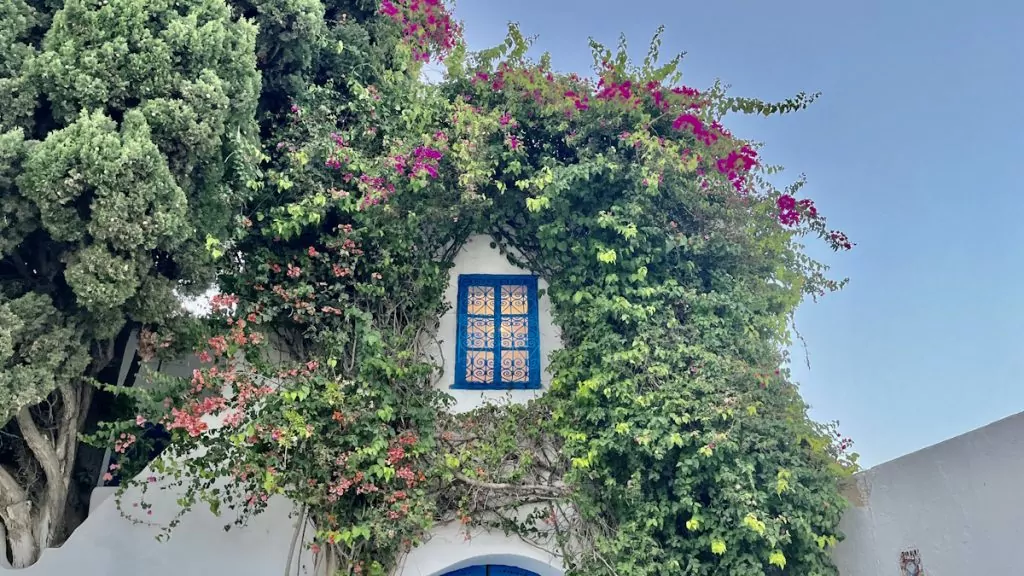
(751,521)
(606,256)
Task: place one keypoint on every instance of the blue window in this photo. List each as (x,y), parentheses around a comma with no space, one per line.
(492,570)
(498,340)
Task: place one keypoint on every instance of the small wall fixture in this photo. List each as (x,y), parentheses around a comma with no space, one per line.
(910,563)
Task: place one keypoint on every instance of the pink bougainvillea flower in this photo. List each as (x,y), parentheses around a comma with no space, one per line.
(687,119)
(807,207)
(696,126)
(839,240)
(427,26)
(427,152)
(398,162)
(388,8)
(788,213)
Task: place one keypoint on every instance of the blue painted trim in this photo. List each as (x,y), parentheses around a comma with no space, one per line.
(508,571)
(496,281)
(470,571)
(491,570)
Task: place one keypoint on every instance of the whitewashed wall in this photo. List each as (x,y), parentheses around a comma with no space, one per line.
(109,545)
(960,504)
(477,257)
(448,549)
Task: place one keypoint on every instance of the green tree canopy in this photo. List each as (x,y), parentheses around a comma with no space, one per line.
(125,129)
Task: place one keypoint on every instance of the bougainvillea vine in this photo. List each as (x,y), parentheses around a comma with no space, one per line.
(670,439)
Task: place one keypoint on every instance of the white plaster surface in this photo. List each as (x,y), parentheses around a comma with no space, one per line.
(109,545)
(477,257)
(959,503)
(448,549)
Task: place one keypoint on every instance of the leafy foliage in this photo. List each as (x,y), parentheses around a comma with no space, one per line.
(38,349)
(117,165)
(125,128)
(672,276)
(670,441)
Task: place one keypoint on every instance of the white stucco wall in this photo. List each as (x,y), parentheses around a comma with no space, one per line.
(959,504)
(448,549)
(477,257)
(109,545)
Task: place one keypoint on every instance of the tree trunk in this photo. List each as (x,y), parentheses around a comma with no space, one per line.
(24,547)
(31,529)
(28,529)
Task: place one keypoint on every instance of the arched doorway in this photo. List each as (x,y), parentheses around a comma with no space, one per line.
(491,570)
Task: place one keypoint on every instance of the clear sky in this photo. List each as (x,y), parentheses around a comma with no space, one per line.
(911,150)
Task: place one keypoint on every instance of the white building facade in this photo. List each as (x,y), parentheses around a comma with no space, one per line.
(492,345)
(949,510)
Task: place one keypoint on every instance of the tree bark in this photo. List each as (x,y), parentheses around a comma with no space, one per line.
(16,516)
(31,529)
(24,547)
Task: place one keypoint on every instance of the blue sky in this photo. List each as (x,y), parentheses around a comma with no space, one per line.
(911,150)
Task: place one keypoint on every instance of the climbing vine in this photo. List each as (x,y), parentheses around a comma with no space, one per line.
(670,440)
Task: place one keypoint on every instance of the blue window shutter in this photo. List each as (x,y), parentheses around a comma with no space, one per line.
(508,571)
(471,571)
(462,346)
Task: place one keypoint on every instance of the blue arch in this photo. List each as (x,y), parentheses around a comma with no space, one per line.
(491,570)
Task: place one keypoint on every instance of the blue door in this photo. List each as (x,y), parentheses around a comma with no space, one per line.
(491,570)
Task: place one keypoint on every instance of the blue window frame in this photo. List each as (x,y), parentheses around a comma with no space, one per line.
(492,570)
(498,340)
